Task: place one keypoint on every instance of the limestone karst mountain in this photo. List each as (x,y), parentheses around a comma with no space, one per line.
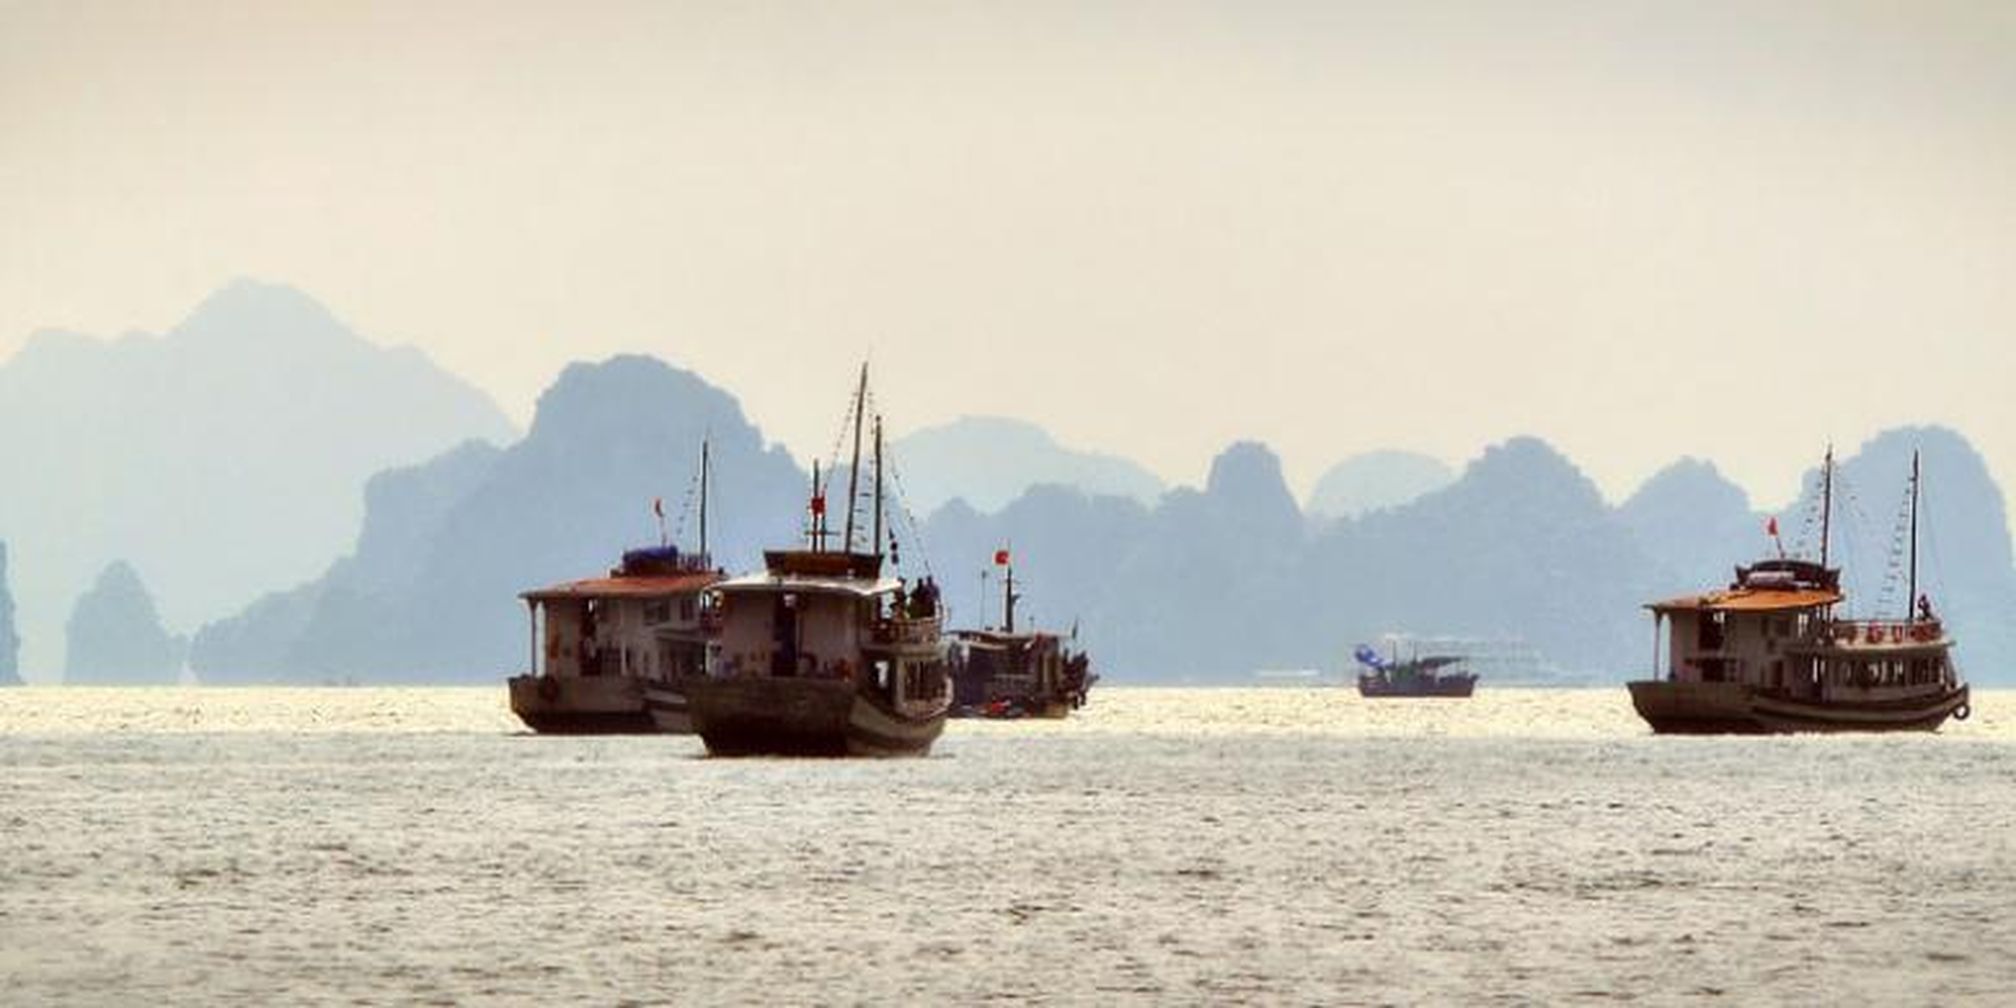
(115,637)
(223,457)
(430,592)
(1964,557)
(1695,524)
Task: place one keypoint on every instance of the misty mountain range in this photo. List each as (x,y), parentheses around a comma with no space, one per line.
(1183,584)
(219,459)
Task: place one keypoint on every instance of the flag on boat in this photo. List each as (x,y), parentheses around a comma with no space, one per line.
(1771,526)
(658,506)
(819,504)
(1000,558)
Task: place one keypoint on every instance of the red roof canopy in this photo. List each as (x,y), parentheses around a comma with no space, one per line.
(1749,600)
(649,586)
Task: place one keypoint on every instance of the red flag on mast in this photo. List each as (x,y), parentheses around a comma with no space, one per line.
(658,506)
(1771,527)
(1000,558)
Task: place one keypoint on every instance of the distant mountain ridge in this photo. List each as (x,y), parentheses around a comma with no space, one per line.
(1374,480)
(222,457)
(1203,585)
(990,461)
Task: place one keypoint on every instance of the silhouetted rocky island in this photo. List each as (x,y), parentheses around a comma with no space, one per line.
(115,635)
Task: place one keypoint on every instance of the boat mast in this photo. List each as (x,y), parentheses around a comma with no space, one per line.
(816,533)
(854,466)
(1911,595)
(1008,601)
(878,485)
(703,497)
(1826,502)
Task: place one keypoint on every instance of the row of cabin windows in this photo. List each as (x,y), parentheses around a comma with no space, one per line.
(1713,629)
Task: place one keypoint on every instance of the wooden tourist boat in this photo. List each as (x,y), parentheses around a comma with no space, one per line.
(1770,654)
(822,653)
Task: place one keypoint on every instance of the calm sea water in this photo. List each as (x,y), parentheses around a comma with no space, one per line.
(367,846)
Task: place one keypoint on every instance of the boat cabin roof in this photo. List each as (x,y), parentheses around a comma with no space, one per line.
(1749,600)
(647,586)
(765,581)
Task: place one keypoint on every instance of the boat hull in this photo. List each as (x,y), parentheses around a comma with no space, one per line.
(1452,686)
(802,717)
(669,709)
(1720,708)
(598,705)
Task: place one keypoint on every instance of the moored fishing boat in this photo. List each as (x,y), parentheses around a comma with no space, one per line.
(1419,676)
(606,640)
(1770,654)
(614,647)
(1005,673)
(822,653)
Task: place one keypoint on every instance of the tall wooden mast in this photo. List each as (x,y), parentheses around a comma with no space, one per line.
(878,485)
(1826,502)
(854,465)
(1911,595)
(703,497)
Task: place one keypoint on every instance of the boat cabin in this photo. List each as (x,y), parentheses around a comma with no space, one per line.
(832,615)
(648,619)
(1773,629)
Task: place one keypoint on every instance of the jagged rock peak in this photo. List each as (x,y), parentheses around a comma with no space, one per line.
(115,633)
(1246,480)
(1524,466)
(1689,482)
(611,397)
(247,310)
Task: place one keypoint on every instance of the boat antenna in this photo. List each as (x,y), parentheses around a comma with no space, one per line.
(854,465)
(1826,502)
(1911,594)
(878,484)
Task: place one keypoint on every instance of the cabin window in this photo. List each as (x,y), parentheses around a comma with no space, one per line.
(657,611)
(1712,631)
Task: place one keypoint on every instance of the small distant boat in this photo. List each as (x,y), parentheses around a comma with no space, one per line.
(1002,673)
(1768,654)
(1419,676)
(615,646)
(822,653)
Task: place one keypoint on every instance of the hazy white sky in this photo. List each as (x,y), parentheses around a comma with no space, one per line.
(1639,230)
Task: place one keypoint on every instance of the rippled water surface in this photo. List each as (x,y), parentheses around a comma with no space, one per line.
(1167,846)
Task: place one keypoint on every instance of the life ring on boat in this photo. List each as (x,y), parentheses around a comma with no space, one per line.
(549,690)
(1920,632)
(1875,635)
(1962,712)
(1897,635)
